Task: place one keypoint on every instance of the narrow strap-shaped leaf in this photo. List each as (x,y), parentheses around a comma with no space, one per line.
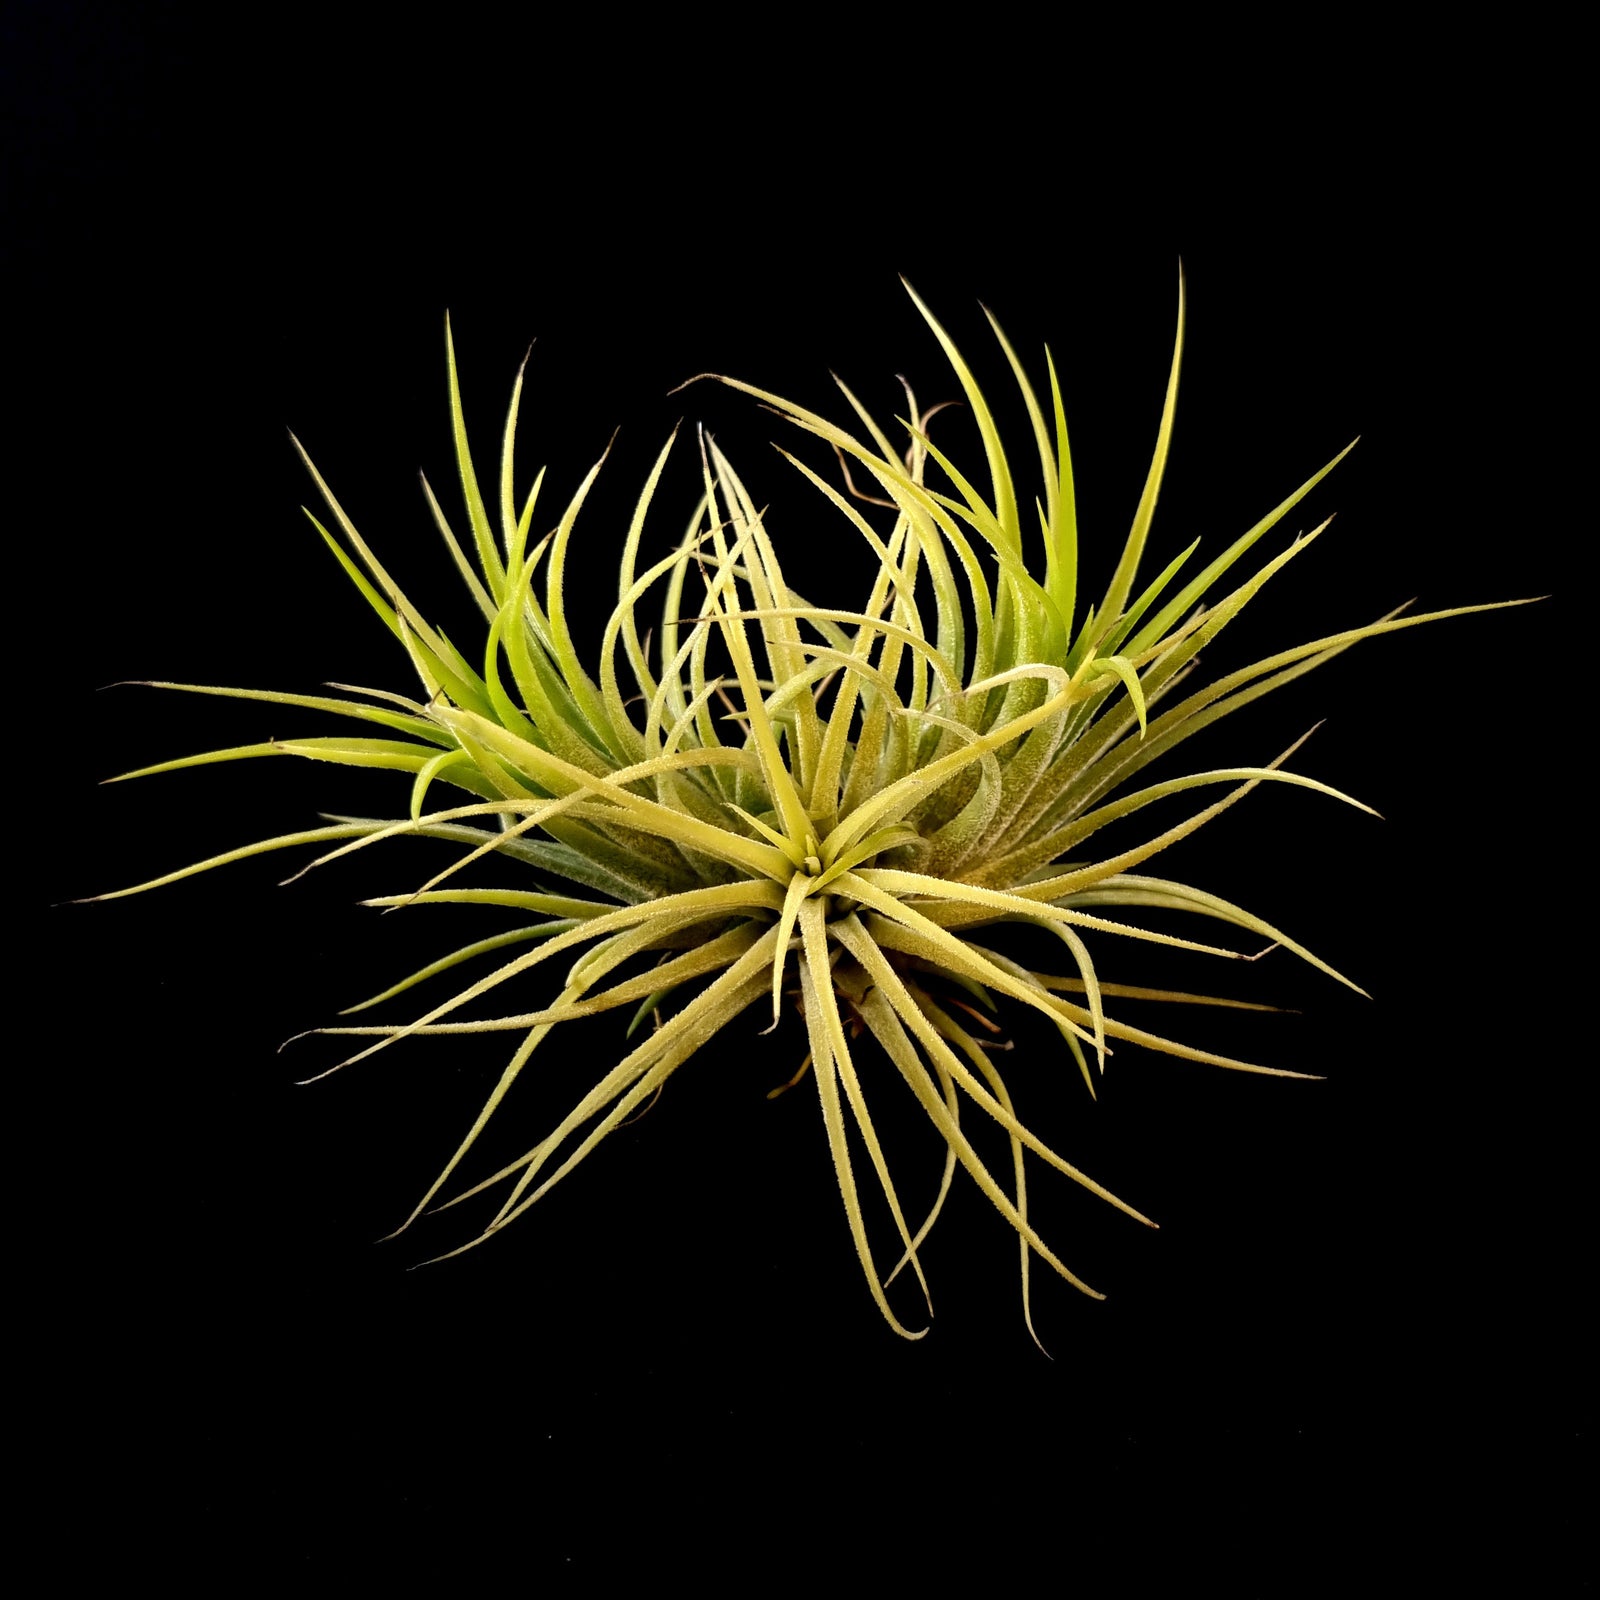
(1192,592)
(1124,670)
(513,1070)
(286,841)
(910,637)
(953,1105)
(1072,880)
(473,582)
(1186,718)
(1091,985)
(707,903)
(893,802)
(1130,991)
(782,642)
(1000,904)
(392,753)
(858,940)
(672,1044)
(646,814)
(1041,434)
(578,682)
(508,447)
(435,662)
(1084,827)
(494,573)
(416,727)
(800,885)
(1061,572)
(550,855)
(886,1018)
(403,607)
(544,693)
(1128,889)
(814,986)
(1085,744)
(1172,1047)
(710,956)
(550,905)
(629,592)
(819,969)
(949,1029)
(646,1065)
(506,709)
(460,768)
(1121,585)
(481,947)
(780,783)
(942,947)
(1120,630)
(1005,499)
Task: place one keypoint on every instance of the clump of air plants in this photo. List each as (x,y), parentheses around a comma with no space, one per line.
(761,795)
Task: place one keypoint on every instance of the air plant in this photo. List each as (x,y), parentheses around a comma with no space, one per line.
(764,797)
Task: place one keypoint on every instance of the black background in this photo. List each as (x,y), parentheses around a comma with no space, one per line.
(1358,1326)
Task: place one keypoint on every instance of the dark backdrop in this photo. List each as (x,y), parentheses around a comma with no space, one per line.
(1359,1319)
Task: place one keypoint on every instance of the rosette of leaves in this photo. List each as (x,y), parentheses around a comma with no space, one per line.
(752,796)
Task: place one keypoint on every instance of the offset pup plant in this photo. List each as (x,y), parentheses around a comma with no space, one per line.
(765,798)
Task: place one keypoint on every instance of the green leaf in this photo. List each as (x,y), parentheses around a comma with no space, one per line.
(494,573)
(1128,566)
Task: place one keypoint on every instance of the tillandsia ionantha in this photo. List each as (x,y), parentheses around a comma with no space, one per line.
(803,801)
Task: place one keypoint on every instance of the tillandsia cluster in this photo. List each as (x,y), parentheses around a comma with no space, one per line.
(795,799)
